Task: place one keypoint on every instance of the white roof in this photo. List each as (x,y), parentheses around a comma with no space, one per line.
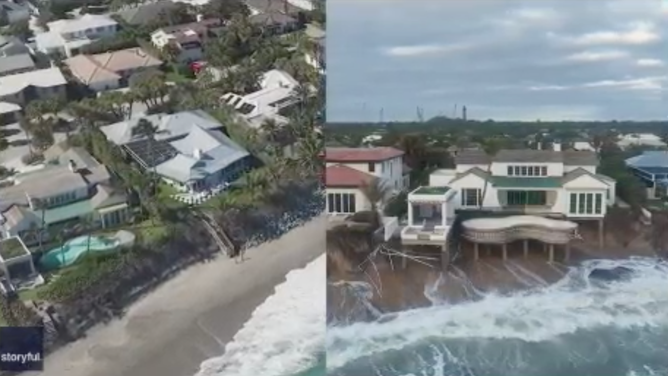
(49,77)
(6,107)
(88,21)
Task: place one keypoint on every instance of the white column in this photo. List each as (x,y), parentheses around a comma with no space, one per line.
(444,214)
(410,213)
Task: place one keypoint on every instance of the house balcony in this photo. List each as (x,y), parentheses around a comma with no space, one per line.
(429,232)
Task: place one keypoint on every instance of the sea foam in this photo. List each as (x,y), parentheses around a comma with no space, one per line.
(572,304)
(284,335)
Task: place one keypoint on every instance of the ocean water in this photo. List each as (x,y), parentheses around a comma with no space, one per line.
(576,327)
(285,335)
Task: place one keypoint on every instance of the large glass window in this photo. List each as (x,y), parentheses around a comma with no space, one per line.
(341,203)
(527,198)
(585,203)
(471,196)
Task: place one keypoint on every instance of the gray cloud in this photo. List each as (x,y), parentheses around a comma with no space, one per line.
(601,59)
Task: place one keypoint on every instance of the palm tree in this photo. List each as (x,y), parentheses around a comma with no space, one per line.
(39,205)
(376,192)
(491,147)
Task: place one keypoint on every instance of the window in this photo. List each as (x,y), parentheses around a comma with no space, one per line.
(598,206)
(372,167)
(586,203)
(341,203)
(471,196)
(527,170)
(527,198)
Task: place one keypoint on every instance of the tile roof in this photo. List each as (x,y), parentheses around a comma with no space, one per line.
(107,66)
(377,154)
(346,177)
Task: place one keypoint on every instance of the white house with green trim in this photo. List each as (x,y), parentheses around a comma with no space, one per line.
(538,182)
(71,188)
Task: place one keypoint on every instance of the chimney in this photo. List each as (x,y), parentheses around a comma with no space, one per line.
(197,153)
(72,165)
(556,146)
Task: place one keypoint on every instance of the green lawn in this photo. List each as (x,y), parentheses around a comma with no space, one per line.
(10,248)
(30,294)
(150,230)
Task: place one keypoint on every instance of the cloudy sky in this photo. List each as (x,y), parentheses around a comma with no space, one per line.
(505,60)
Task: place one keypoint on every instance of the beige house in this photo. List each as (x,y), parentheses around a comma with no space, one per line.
(111,70)
(25,87)
(71,187)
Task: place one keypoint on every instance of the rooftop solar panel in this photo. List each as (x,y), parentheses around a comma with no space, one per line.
(246,108)
(150,153)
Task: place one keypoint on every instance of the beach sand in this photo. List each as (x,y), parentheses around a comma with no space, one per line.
(189,318)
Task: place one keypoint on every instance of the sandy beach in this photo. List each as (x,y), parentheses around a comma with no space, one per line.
(188,319)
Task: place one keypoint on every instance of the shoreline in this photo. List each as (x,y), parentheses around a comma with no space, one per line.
(391,290)
(190,317)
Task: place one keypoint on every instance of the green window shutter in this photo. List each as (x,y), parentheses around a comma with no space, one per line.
(582,198)
(590,203)
(574,203)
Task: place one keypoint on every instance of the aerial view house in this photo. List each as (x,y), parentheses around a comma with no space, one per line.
(264,6)
(9,113)
(189,151)
(67,37)
(72,185)
(40,84)
(111,70)
(187,39)
(640,139)
(274,22)
(652,168)
(277,94)
(11,45)
(15,64)
(544,183)
(144,14)
(348,170)
(16,265)
(14,11)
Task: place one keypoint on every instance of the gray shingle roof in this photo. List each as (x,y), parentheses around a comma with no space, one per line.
(568,157)
(170,126)
(217,153)
(145,13)
(14,63)
(476,157)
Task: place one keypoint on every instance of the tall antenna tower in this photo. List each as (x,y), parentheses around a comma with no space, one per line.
(454,112)
(420,114)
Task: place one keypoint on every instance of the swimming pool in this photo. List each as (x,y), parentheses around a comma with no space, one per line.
(75,248)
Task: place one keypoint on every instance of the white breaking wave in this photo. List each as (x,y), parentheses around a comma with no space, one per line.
(565,307)
(285,333)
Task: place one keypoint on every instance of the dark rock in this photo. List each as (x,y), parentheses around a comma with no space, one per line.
(615,274)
